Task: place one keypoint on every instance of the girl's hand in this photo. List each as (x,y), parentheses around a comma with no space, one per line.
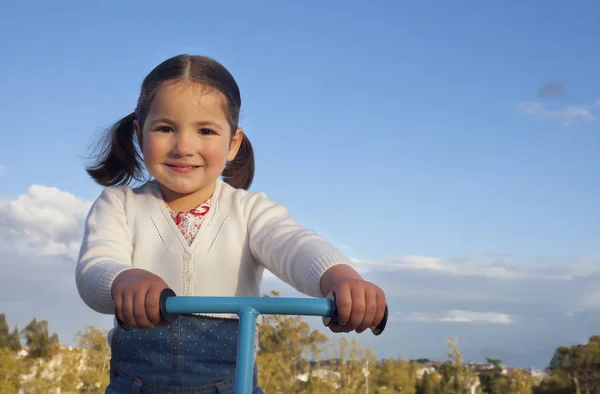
(136,294)
(359,305)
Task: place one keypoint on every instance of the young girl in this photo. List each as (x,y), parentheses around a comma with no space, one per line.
(196,229)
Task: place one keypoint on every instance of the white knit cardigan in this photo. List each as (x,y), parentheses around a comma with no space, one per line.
(243,233)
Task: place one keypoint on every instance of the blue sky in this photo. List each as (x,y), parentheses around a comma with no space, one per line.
(394,129)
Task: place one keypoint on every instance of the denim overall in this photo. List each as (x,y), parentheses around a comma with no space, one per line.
(194,355)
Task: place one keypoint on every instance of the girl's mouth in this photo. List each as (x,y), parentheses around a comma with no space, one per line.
(181,168)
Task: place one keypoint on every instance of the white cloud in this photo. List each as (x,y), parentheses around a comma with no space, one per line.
(568,115)
(589,302)
(492,266)
(592,300)
(43,222)
(482,267)
(40,233)
(460,316)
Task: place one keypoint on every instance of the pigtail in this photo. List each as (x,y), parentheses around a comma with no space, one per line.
(239,173)
(118,161)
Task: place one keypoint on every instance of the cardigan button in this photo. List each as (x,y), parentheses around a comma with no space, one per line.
(187,275)
(187,256)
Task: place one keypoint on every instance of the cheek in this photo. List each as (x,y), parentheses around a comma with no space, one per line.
(153,149)
(215,154)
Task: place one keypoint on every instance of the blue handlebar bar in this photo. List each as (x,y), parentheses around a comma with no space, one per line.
(183,305)
(248,309)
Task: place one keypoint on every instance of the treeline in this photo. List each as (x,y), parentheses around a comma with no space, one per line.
(33,362)
(296,359)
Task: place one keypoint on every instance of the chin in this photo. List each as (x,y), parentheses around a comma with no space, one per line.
(183,188)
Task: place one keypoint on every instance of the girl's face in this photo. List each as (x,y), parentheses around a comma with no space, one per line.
(186,142)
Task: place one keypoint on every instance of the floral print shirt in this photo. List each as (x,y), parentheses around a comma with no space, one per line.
(189,222)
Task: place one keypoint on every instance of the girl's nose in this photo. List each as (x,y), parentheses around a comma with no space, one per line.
(183,145)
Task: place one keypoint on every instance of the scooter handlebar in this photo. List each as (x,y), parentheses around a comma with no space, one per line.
(310,306)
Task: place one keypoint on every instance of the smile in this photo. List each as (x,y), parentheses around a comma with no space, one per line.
(182,168)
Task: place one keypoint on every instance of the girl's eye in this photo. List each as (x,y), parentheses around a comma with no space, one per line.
(164,129)
(206,131)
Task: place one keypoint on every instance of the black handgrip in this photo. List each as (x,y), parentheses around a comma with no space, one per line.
(165,318)
(328,320)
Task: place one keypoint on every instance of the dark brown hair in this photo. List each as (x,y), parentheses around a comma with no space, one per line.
(119,161)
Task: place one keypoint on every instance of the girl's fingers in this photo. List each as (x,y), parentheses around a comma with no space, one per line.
(152,304)
(358,307)
(139,310)
(118,301)
(381,305)
(127,309)
(344,304)
(370,296)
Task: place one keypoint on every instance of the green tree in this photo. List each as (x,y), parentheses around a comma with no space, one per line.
(94,365)
(558,382)
(427,385)
(575,369)
(44,375)
(11,369)
(521,383)
(492,380)
(4,332)
(14,340)
(10,340)
(350,363)
(394,376)
(285,341)
(65,368)
(83,369)
(456,377)
(37,338)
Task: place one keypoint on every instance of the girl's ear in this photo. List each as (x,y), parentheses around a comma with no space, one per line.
(138,132)
(234,146)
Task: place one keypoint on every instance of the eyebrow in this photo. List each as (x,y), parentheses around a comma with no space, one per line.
(198,123)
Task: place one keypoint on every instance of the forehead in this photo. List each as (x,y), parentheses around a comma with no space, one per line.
(188,100)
